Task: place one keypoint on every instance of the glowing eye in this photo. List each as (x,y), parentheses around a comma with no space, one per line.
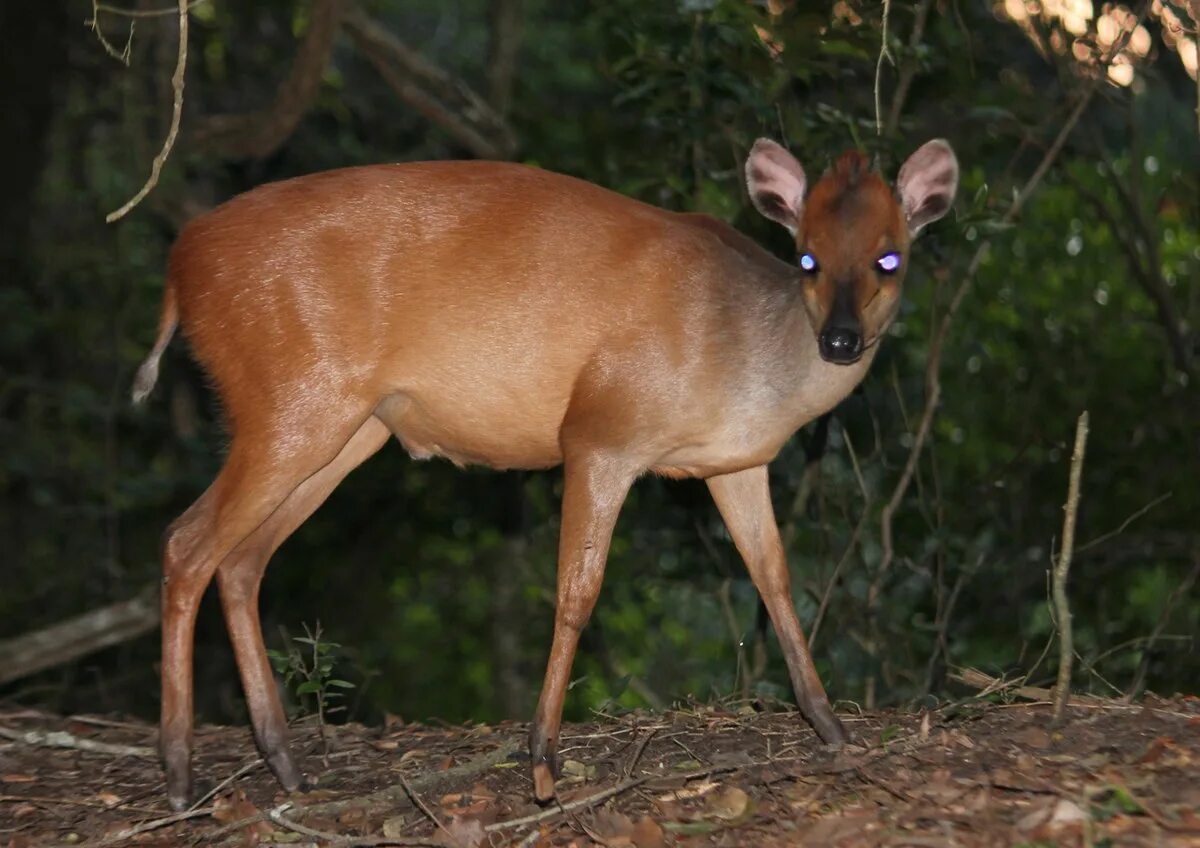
(808,263)
(889,263)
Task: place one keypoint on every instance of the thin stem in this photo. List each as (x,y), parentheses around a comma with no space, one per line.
(176,114)
(1062,689)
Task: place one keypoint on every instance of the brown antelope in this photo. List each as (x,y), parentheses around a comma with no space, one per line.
(503,315)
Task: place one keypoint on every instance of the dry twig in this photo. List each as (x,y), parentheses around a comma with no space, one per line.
(176,113)
(127,833)
(884,53)
(61,739)
(424,808)
(1062,689)
(277,817)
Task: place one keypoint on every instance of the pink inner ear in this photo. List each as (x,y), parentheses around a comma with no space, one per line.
(776,183)
(927,183)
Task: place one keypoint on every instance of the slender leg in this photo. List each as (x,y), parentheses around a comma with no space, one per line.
(239,577)
(259,474)
(593,491)
(744,500)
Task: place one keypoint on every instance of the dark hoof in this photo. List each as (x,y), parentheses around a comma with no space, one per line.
(284,768)
(179,795)
(831,730)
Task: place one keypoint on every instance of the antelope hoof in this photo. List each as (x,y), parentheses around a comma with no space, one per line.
(829,728)
(284,768)
(179,791)
(543,783)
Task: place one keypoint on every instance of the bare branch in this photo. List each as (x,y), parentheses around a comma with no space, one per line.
(259,134)
(79,636)
(176,115)
(446,101)
(908,70)
(504,42)
(62,739)
(139,13)
(884,53)
(933,386)
(1062,609)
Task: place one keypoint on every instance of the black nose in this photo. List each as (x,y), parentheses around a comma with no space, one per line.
(840,344)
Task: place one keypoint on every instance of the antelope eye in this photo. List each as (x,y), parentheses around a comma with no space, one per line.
(889,263)
(808,263)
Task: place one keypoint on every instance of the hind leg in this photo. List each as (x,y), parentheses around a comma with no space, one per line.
(239,577)
(264,466)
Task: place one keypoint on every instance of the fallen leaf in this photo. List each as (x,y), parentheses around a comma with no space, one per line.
(829,830)
(1067,812)
(613,828)
(108,799)
(1032,736)
(481,791)
(648,834)
(236,806)
(396,827)
(462,833)
(17,778)
(731,805)
(1036,816)
(697,791)
(479,808)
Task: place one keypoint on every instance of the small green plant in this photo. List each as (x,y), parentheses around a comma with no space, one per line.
(307,668)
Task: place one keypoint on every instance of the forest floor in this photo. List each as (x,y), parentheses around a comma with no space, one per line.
(972,774)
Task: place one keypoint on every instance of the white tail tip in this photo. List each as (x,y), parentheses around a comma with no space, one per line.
(147,376)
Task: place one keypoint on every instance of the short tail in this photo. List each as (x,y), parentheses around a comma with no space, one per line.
(147,374)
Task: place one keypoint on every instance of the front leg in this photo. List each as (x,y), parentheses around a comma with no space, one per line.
(744,500)
(594,488)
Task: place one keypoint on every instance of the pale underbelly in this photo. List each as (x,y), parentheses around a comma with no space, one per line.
(473,434)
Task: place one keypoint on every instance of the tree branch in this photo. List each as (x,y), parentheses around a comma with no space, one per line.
(79,636)
(908,69)
(503,45)
(258,134)
(446,101)
(933,386)
(176,113)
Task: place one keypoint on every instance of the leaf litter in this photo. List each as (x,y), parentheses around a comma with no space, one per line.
(987,775)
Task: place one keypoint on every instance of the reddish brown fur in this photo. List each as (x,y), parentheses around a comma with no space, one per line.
(502,315)
(850,220)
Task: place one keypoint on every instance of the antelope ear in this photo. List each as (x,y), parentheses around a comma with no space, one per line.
(927,183)
(776,183)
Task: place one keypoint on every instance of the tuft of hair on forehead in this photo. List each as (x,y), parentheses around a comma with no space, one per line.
(849,168)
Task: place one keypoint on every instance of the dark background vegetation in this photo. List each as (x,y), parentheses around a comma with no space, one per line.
(438,583)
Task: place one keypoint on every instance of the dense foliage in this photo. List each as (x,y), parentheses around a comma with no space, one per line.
(439,583)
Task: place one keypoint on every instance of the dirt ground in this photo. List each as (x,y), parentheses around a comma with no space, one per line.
(972,774)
